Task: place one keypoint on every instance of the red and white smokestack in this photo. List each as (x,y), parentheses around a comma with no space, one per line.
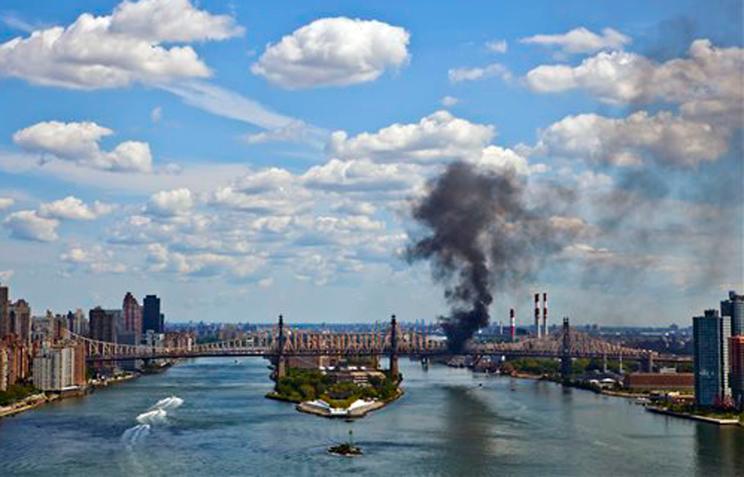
(512,324)
(545,314)
(537,315)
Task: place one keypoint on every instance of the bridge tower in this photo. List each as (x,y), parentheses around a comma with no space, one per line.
(281,364)
(566,363)
(647,362)
(394,370)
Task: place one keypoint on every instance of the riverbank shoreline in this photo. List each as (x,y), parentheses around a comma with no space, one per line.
(115,380)
(28,403)
(43,398)
(630,395)
(694,417)
(604,392)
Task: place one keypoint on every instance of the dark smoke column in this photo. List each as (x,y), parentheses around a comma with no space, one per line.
(480,237)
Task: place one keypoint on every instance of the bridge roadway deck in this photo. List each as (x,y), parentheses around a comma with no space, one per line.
(264,353)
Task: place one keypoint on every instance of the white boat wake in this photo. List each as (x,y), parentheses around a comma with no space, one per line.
(134,434)
(168,403)
(157,414)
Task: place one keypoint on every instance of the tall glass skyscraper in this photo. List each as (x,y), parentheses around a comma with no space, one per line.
(734,309)
(151,317)
(708,358)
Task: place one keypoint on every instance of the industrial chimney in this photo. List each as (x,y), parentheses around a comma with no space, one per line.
(545,315)
(537,315)
(512,324)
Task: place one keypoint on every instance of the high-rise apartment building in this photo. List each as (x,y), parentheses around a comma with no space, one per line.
(102,325)
(132,313)
(708,361)
(736,358)
(77,323)
(19,314)
(152,318)
(18,359)
(58,326)
(734,309)
(725,325)
(54,369)
(4,312)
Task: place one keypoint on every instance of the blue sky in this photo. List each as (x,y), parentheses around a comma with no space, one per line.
(246,159)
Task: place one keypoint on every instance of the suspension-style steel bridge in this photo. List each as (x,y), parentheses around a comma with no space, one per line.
(282,341)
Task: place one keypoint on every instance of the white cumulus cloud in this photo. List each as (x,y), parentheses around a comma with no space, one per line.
(94,259)
(435,138)
(72,208)
(268,191)
(633,140)
(581,40)
(334,52)
(499,159)
(359,175)
(708,80)
(28,225)
(171,21)
(79,142)
(119,49)
(171,202)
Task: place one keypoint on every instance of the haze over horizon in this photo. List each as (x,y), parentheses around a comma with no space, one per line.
(245,160)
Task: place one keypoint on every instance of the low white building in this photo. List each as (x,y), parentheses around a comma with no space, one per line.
(54,369)
(154,340)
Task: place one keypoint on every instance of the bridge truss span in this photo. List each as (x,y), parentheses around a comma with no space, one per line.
(284,341)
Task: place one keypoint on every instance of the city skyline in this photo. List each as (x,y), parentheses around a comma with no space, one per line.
(207,163)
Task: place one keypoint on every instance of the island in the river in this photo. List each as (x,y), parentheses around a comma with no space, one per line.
(344,388)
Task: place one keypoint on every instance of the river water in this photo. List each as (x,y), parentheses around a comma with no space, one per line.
(449,422)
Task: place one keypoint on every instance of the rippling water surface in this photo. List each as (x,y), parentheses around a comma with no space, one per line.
(209,417)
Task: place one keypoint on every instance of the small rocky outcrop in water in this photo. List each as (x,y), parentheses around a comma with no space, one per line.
(347,449)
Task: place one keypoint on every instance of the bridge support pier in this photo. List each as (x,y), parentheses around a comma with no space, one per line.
(281,368)
(566,361)
(394,370)
(281,364)
(647,363)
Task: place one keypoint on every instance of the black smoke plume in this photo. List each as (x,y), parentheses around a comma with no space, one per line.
(481,238)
